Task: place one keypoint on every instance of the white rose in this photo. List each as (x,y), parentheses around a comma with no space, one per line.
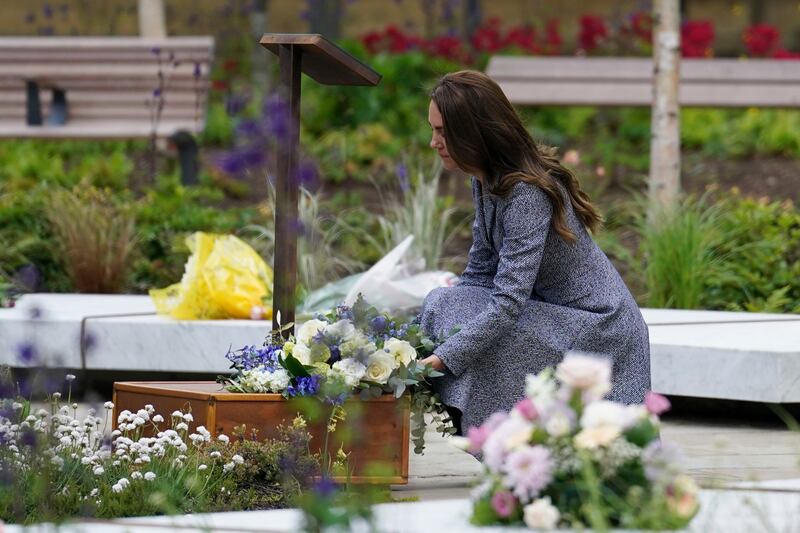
(351,369)
(558,424)
(585,372)
(380,367)
(309,329)
(402,351)
(541,514)
(606,413)
(597,437)
(302,353)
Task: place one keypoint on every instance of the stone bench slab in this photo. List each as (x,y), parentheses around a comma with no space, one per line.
(708,354)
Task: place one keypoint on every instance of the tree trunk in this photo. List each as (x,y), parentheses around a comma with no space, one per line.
(152,18)
(260,58)
(665,154)
(472,18)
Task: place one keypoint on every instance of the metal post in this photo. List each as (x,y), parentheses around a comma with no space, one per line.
(286,189)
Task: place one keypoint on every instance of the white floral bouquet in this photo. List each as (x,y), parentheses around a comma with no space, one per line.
(345,352)
(564,456)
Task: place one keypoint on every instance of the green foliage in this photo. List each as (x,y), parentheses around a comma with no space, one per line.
(760,265)
(319,259)
(219,126)
(679,246)
(366,152)
(400,101)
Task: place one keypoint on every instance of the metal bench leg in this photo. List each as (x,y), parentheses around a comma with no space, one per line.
(33,107)
(58,108)
(187,155)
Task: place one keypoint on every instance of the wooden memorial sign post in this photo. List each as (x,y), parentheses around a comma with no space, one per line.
(328,64)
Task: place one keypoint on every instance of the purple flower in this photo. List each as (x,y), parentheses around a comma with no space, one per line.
(378,323)
(156,92)
(251,357)
(47,11)
(30,18)
(197,71)
(155,51)
(235,104)
(528,471)
(335,354)
(325,487)
(503,503)
(402,177)
(304,386)
(306,175)
(26,352)
(29,278)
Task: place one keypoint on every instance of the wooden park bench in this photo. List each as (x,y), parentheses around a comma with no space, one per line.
(106,88)
(628,81)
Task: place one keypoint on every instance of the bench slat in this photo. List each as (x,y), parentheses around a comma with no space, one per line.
(59,70)
(105,43)
(97,98)
(620,68)
(96,130)
(559,92)
(628,81)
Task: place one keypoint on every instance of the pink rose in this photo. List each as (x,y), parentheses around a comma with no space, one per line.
(503,503)
(656,403)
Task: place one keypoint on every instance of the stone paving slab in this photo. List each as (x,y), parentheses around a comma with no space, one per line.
(728,511)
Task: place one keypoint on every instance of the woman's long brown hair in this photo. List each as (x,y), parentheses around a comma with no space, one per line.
(485,135)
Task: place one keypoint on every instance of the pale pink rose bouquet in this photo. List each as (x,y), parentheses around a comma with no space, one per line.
(565,457)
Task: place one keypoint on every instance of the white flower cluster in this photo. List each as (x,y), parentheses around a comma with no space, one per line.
(357,357)
(261,380)
(132,456)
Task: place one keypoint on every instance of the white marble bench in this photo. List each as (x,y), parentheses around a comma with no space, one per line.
(708,354)
(725,355)
(141,341)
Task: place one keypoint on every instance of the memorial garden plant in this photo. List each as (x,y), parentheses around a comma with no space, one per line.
(55,466)
(564,456)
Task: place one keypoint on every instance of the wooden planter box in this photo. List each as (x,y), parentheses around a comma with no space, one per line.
(376,431)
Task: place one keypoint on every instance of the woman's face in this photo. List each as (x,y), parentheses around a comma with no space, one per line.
(437,139)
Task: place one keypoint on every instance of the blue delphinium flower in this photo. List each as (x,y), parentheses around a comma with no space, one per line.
(251,357)
(304,386)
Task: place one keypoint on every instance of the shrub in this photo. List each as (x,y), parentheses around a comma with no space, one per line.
(759,268)
(95,236)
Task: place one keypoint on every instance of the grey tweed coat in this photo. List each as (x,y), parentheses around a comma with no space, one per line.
(525,298)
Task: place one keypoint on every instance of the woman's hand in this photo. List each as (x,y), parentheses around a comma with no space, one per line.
(434,361)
